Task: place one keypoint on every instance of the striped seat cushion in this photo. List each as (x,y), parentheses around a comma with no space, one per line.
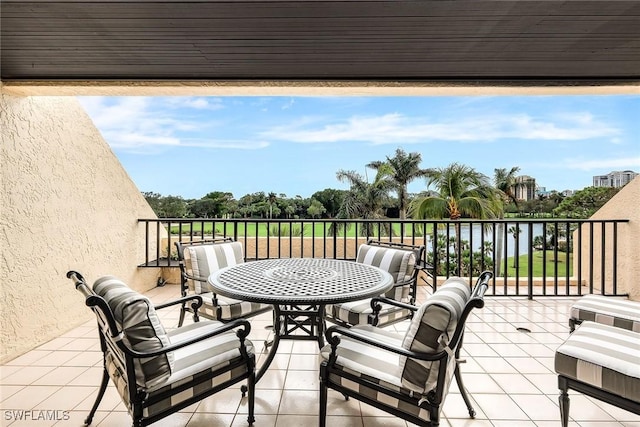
(619,312)
(364,360)
(229,308)
(603,356)
(137,318)
(358,312)
(378,371)
(191,362)
(399,263)
(430,331)
(202,260)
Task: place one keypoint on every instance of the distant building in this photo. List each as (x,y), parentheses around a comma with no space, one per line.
(525,188)
(542,191)
(568,193)
(614,179)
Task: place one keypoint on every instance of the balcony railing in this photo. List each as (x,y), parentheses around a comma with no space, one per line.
(550,257)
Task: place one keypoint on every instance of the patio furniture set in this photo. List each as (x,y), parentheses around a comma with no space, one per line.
(159,372)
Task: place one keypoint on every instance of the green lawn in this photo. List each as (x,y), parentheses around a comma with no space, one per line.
(310,229)
(523,264)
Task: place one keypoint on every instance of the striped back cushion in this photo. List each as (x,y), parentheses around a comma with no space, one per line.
(399,263)
(202,260)
(431,329)
(142,329)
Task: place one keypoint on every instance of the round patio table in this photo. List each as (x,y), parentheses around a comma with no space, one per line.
(299,289)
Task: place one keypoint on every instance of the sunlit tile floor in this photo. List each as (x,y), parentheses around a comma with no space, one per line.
(508,372)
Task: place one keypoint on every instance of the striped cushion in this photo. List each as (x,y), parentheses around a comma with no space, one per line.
(197,360)
(137,318)
(603,356)
(369,361)
(202,260)
(430,331)
(619,312)
(191,362)
(229,308)
(399,263)
(358,312)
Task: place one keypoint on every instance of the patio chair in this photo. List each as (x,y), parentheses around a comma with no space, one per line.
(405,263)
(407,375)
(198,259)
(156,372)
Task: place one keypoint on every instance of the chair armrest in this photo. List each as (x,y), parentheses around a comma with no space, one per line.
(376,307)
(242,334)
(332,338)
(195,305)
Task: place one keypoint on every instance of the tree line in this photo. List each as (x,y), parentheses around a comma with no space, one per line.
(453,192)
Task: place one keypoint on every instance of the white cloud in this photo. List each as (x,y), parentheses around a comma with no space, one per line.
(144,125)
(396,128)
(621,163)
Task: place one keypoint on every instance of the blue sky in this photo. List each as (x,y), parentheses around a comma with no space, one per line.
(190,146)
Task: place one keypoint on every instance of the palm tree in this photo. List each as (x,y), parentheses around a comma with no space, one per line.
(271,199)
(506,183)
(364,200)
(461,191)
(401,169)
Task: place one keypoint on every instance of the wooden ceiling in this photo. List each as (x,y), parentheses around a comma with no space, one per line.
(558,42)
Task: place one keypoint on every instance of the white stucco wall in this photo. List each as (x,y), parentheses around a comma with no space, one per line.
(66,203)
(624,205)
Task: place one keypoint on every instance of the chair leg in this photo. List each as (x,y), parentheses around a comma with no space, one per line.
(463,392)
(323,404)
(563,399)
(101,390)
(251,388)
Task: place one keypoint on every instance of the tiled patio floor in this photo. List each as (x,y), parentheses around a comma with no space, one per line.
(509,375)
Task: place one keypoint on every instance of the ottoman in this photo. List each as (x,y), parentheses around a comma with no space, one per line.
(615,311)
(600,361)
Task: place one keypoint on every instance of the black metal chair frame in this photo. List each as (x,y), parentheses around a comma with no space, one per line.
(434,398)
(138,399)
(184,286)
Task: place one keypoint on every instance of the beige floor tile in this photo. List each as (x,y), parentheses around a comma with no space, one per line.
(299,402)
(500,407)
(514,384)
(61,375)
(266,402)
(110,401)
(30,358)
(29,397)
(211,420)
(272,379)
(7,371)
(310,362)
(67,398)
(56,343)
(224,402)
(27,375)
(480,383)
(383,421)
(262,420)
(85,358)
(301,380)
(527,365)
(537,406)
(344,421)
(338,405)
(469,423)
(115,419)
(287,420)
